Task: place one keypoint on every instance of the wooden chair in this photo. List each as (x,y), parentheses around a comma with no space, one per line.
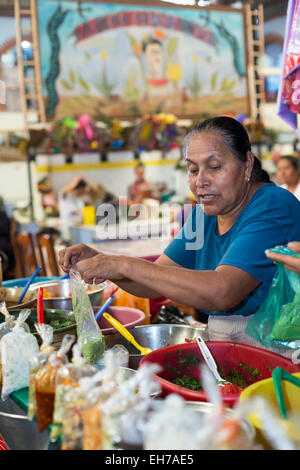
(25,256)
(45,244)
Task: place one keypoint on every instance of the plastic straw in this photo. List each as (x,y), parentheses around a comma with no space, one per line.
(30,280)
(106,304)
(40,306)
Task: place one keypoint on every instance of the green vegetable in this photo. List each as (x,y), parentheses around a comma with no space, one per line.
(188,382)
(93,349)
(57,324)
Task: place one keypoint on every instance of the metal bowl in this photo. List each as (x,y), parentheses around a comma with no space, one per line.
(155,336)
(61,294)
(248,431)
(10,295)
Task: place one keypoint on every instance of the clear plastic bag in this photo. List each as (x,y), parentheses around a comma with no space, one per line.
(277,321)
(45,383)
(46,333)
(88,332)
(81,412)
(67,378)
(17,348)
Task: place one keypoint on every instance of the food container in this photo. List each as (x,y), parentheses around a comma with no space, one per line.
(129,317)
(59,294)
(51,315)
(250,363)
(154,336)
(11,295)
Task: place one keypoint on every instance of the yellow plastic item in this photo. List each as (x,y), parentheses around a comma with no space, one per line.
(89,215)
(124,332)
(266,389)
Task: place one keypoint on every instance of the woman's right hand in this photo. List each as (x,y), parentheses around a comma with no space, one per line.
(69,257)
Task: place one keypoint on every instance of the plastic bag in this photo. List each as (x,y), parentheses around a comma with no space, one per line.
(68,377)
(88,332)
(17,348)
(277,322)
(45,383)
(46,333)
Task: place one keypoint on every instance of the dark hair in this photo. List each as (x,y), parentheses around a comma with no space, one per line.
(294,161)
(139,165)
(149,41)
(235,138)
(80,184)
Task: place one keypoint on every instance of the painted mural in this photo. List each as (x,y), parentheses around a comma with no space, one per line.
(125,61)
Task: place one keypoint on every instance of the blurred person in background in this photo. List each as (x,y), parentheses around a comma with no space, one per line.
(6,249)
(288,174)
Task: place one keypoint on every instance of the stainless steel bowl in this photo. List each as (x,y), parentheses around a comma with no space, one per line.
(205,408)
(155,336)
(61,290)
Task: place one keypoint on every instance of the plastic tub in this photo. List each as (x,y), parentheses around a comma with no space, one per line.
(129,317)
(228,356)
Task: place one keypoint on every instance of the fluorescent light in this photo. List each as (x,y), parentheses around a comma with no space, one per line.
(180,2)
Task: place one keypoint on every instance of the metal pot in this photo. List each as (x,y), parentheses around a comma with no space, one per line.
(61,290)
(155,336)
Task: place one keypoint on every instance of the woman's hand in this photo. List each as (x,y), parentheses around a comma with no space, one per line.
(69,257)
(101,267)
(290,262)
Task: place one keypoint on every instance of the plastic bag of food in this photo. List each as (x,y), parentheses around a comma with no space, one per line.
(45,383)
(88,332)
(6,327)
(277,322)
(17,348)
(78,421)
(68,377)
(132,391)
(46,333)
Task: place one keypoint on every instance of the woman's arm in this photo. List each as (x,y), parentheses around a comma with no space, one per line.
(216,290)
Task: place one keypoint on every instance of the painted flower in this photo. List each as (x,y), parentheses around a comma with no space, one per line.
(103,54)
(174,72)
(138,49)
(158,34)
(195,58)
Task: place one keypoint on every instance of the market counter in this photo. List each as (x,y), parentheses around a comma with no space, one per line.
(19,432)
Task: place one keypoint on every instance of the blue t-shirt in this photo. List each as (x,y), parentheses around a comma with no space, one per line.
(272,217)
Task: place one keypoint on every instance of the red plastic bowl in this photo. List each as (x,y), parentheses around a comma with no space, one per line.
(129,317)
(228,356)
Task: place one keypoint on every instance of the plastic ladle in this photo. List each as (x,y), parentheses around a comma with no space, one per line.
(124,332)
(210,361)
(278,375)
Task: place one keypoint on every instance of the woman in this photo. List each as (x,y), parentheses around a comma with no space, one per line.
(140,189)
(288,174)
(226,274)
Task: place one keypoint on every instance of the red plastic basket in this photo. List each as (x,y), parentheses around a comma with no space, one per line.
(228,356)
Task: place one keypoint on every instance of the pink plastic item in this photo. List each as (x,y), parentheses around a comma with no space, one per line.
(129,317)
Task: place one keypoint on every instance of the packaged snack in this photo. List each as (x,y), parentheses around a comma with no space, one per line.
(46,333)
(45,383)
(68,377)
(17,348)
(88,332)
(80,413)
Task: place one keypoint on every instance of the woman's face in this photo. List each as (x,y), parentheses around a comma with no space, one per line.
(286,173)
(216,178)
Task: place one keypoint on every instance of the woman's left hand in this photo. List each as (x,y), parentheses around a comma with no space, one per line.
(290,262)
(100,267)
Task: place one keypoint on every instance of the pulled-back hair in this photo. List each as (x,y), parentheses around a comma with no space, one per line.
(235,138)
(294,161)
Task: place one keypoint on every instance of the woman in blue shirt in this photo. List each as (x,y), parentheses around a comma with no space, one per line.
(217,262)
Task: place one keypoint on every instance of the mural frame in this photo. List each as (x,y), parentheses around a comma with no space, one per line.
(155,3)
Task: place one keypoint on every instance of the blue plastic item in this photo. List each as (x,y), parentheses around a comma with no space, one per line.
(30,280)
(104,307)
(21,282)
